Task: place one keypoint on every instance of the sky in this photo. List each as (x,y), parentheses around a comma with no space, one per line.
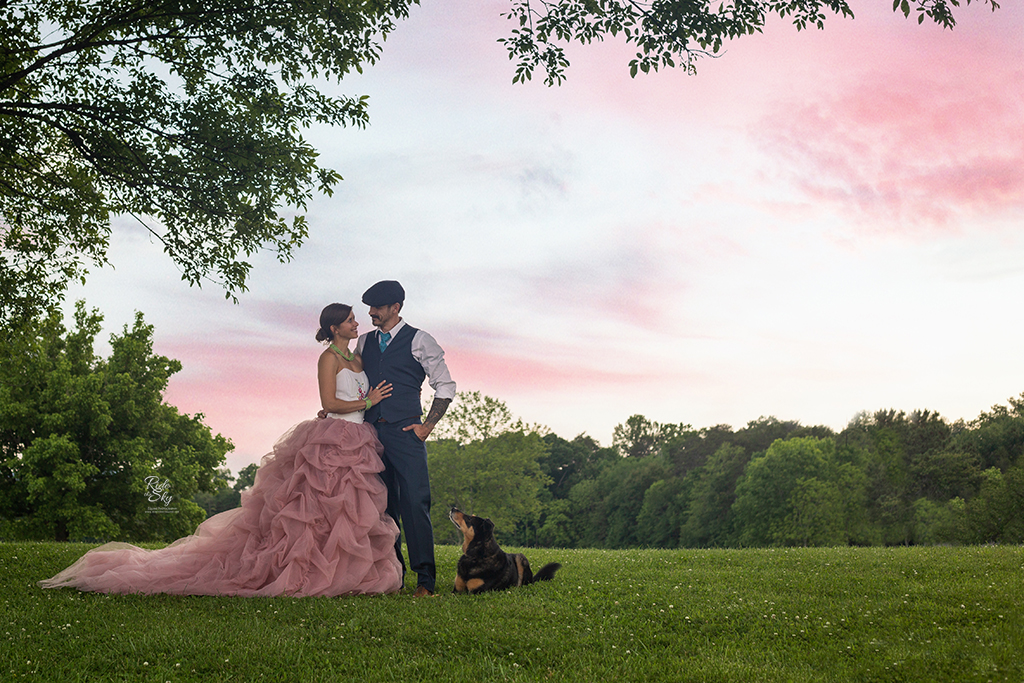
(818,223)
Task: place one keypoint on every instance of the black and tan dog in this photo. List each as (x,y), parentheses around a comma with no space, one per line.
(484,566)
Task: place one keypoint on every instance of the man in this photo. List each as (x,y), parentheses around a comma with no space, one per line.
(404,356)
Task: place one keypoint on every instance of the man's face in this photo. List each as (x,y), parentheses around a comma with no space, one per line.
(384,317)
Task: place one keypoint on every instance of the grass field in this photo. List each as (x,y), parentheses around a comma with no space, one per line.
(846,614)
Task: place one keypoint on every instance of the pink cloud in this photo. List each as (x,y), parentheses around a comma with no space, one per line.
(249,394)
(931,133)
(917,169)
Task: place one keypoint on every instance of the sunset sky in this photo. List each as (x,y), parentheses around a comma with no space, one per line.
(816,224)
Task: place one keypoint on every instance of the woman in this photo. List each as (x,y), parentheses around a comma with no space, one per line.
(313,523)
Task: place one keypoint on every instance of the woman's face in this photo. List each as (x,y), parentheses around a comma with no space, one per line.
(348,329)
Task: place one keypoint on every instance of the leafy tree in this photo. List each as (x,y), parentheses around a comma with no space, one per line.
(604,510)
(761,433)
(852,481)
(227,496)
(587,513)
(184,114)
(778,491)
(567,512)
(498,477)
(85,443)
(889,506)
(627,483)
(640,437)
(708,521)
(690,451)
(714,460)
(474,417)
(246,477)
(815,515)
(944,475)
(901,453)
(224,497)
(667,31)
(996,437)
(925,431)
(489,463)
(569,462)
(996,514)
(557,529)
(661,515)
(936,522)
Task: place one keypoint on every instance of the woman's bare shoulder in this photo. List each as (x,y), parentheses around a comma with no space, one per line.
(328,358)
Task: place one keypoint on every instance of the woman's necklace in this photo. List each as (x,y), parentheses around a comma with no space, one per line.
(349,357)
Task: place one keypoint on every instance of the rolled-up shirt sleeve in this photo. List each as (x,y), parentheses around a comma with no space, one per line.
(429,354)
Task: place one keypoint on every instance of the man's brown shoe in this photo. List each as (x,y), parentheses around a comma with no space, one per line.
(422,592)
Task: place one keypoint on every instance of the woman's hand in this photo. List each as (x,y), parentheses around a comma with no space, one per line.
(379,393)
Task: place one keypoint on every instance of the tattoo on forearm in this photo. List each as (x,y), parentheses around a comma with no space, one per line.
(437,409)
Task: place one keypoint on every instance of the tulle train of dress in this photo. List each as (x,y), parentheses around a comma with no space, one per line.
(313,523)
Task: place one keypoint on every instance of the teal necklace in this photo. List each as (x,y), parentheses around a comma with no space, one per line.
(338,351)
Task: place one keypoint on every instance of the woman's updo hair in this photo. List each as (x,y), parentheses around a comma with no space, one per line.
(333,314)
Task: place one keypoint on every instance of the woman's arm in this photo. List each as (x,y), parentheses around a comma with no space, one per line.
(327,370)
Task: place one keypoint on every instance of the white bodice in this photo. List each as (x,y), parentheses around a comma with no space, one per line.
(351,386)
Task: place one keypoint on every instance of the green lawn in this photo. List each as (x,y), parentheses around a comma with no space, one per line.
(847,614)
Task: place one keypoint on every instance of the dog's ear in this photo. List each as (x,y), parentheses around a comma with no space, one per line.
(488,525)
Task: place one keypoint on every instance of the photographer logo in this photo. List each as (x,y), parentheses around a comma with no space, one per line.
(159,491)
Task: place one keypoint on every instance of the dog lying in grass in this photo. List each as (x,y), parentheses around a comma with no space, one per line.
(484,566)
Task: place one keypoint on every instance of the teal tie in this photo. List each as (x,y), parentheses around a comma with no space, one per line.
(384,338)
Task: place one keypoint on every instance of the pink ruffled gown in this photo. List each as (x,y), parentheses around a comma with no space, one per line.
(313,523)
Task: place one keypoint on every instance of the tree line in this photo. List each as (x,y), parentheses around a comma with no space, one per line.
(888,478)
(89,451)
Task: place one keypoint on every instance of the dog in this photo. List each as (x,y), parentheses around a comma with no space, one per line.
(484,566)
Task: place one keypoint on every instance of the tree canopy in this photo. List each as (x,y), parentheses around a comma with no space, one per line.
(669,33)
(88,448)
(184,114)
(225,495)
(486,462)
(640,437)
(474,417)
(497,477)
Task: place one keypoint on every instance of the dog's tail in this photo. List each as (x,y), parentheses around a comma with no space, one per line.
(547,572)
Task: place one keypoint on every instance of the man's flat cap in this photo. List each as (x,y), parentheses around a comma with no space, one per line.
(384,293)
